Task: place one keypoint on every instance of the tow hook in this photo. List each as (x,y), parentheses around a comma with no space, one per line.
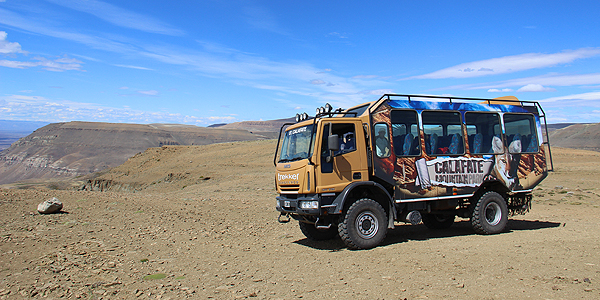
(322,226)
(284,220)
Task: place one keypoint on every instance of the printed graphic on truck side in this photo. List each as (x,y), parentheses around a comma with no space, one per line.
(456,145)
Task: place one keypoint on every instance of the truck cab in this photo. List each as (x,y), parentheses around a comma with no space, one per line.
(409,158)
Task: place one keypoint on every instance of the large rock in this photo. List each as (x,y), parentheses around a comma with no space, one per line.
(50,206)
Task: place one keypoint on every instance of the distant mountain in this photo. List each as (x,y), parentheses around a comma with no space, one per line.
(79,148)
(12,131)
(552,127)
(269,128)
(578,136)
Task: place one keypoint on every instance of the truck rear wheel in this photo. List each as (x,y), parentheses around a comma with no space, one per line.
(438,221)
(364,226)
(490,214)
(313,233)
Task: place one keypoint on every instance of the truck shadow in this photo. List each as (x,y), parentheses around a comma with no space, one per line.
(404,233)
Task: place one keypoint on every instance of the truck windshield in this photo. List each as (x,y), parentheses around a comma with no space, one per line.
(296,144)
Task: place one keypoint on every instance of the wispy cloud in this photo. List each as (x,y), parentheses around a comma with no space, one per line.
(544,80)
(149,93)
(510,64)
(592,97)
(500,90)
(120,17)
(134,67)
(57,65)
(292,77)
(35,108)
(60,64)
(342,35)
(261,18)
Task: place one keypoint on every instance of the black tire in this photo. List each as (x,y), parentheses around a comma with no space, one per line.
(364,225)
(312,233)
(438,221)
(490,214)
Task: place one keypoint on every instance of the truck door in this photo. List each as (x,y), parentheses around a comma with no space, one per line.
(339,168)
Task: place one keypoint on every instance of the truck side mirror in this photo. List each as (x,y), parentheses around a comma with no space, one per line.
(333,141)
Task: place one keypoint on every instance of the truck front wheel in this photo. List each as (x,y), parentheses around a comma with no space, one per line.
(364,226)
(490,214)
(315,234)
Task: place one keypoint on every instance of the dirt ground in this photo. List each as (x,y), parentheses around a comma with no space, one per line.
(210,230)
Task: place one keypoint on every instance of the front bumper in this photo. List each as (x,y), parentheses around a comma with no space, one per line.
(290,204)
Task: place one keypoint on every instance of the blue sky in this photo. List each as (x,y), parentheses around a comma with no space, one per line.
(206,62)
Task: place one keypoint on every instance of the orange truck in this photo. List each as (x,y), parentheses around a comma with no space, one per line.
(410,158)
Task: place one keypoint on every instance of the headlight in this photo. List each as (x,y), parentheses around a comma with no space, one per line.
(278,204)
(309,204)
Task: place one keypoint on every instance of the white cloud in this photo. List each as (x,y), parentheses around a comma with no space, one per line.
(535,88)
(499,91)
(7,47)
(510,64)
(149,93)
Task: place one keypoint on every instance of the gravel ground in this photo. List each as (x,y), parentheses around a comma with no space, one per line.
(213,233)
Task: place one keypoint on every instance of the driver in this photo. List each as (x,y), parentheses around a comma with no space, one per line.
(348,143)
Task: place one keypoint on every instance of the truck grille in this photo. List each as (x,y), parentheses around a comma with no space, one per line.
(294,188)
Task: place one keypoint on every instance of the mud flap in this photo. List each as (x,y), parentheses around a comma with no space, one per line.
(392,216)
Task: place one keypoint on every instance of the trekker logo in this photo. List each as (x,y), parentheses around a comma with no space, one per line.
(288,178)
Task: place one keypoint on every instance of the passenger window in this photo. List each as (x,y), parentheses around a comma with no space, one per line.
(520,133)
(405,133)
(443,132)
(484,132)
(382,140)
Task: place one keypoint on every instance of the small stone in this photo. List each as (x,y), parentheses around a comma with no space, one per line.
(50,206)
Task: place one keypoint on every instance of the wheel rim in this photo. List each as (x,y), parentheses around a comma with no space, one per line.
(493,213)
(367,225)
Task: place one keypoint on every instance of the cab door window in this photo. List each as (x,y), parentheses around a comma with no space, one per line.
(347,140)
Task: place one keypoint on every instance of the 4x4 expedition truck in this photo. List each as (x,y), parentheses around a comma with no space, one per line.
(410,158)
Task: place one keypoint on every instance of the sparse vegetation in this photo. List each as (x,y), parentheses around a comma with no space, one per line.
(155,276)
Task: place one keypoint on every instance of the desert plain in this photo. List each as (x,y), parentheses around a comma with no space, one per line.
(200,222)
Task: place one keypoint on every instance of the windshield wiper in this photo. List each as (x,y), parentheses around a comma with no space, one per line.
(292,159)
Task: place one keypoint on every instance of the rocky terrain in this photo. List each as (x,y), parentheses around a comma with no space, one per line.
(63,150)
(199,222)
